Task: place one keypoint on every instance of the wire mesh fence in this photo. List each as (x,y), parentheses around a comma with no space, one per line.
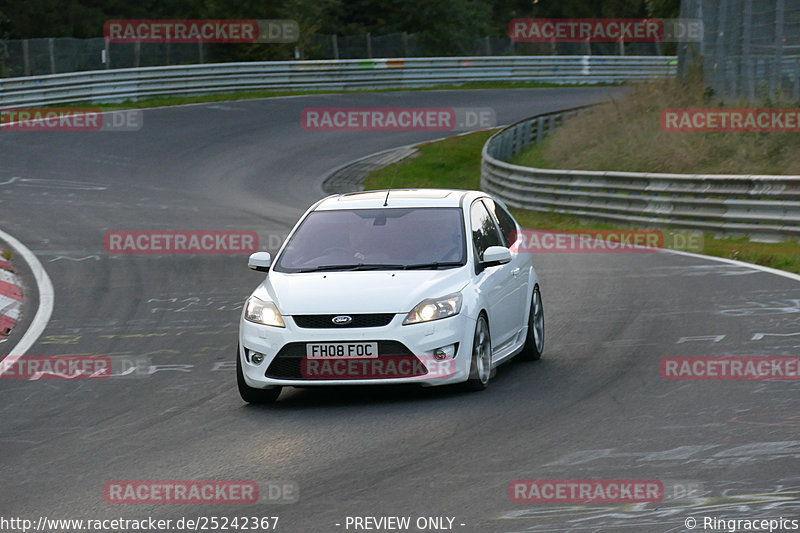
(33,57)
(750,48)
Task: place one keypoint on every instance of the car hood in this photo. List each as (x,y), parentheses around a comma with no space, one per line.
(357,292)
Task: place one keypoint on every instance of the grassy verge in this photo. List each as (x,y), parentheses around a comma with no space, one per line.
(452,163)
(626,135)
(164,101)
(455,163)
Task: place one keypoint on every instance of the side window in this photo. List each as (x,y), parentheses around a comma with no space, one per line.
(508,227)
(484,231)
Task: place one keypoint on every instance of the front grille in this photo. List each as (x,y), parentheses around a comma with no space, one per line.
(374,320)
(288,363)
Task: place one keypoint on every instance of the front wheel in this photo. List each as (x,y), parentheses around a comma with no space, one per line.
(534,341)
(481,363)
(250,394)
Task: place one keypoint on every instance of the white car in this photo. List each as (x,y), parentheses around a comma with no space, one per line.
(384,287)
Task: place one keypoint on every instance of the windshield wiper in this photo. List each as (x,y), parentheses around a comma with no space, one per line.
(356,266)
(381,266)
(436,264)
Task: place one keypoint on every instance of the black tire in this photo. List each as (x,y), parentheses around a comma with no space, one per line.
(534,341)
(480,368)
(250,394)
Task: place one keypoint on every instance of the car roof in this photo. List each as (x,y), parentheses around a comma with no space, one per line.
(398,198)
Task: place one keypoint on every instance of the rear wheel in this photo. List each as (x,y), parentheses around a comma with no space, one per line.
(480,369)
(250,394)
(534,341)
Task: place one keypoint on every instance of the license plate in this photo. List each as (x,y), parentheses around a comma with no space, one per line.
(342,350)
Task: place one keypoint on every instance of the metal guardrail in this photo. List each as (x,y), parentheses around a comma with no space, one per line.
(136,83)
(765,207)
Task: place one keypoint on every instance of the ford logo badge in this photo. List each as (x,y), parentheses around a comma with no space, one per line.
(342,320)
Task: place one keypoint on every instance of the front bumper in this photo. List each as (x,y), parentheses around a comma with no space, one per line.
(406,354)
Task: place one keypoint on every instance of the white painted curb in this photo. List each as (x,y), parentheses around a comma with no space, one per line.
(46,300)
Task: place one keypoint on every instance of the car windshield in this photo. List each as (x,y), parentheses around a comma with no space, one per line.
(376,239)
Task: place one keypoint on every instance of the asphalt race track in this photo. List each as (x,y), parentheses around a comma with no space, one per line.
(594,407)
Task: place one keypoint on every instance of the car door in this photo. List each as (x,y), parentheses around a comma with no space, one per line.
(520,262)
(497,283)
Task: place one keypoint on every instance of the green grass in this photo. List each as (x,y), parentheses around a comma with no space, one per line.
(455,163)
(783,255)
(164,101)
(533,156)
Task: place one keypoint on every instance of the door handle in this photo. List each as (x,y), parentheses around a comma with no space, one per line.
(515,272)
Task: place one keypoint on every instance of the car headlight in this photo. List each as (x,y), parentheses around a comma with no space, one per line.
(434,309)
(263,313)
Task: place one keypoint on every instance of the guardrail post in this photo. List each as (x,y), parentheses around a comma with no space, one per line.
(26,62)
(730,82)
(369,45)
(517,148)
(405,44)
(775,82)
(52,51)
(539,129)
(108,55)
(200,52)
(754,64)
(136,49)
(528,132)
(745,66)
(796,79)
(719,75)
(335,42)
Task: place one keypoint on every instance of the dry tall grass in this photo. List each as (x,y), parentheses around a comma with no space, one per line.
(626,135)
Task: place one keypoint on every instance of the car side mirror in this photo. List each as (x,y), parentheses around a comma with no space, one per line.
(260,261)
(495,255)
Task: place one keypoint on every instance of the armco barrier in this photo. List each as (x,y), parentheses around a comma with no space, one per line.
(136,83)
(765,207)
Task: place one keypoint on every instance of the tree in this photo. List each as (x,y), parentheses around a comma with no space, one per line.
(444,27)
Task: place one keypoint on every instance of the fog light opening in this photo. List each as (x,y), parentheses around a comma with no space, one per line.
(256,358)
(444,352)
